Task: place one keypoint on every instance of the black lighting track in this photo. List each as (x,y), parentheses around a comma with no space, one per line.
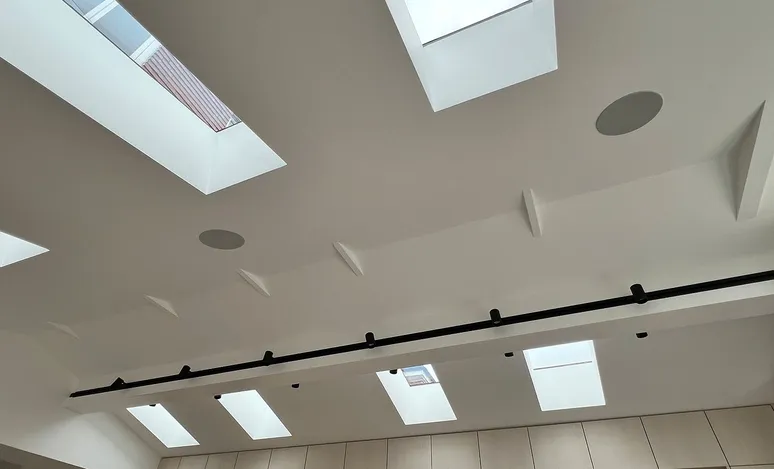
(638,296)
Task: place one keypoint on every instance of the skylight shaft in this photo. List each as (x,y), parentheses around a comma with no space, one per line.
(163,426)
(254,415)
(417,395)
(435,19)
(566,376)
(127,34)
(13,249)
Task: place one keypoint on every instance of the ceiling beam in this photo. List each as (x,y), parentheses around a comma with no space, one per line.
(164,305)
(350,258)
(64,329)
(754,159)
(254,281)
(533,213)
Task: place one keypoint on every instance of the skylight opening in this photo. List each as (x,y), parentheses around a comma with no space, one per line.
(566,376)
(419,375)
(13,249)
(128,35)
(417,395)
(254,415)
(163,426)
(436,19)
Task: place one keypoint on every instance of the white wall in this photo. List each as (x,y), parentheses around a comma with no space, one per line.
(32,390)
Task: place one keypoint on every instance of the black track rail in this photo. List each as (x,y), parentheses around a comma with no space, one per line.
(637,296)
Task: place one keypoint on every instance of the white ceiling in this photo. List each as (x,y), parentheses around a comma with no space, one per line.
(429,202)
(697,367)
(12,458)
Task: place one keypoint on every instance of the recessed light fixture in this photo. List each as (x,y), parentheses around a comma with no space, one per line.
(417,395)
(222,239)
(641,335)
(163,425)
(254,415)
(508,354)
(565,376)
(629,113)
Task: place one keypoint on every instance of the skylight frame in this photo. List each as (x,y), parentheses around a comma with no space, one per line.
(504,50)
(417,405)
(163,425)
(251,411)
(52,44)
(566,376)
(145,50)
(435,20)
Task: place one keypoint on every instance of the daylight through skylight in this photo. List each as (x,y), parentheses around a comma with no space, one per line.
(417,395)
(435,19)
(13,249)
(566,376)
(120,27)
(254,415)
(163,426)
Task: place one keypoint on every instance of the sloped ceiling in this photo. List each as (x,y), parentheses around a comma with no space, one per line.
(724,364)
(431,203)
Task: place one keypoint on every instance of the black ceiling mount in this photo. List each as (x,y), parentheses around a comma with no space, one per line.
(370,339)
(494,315)
(638,296)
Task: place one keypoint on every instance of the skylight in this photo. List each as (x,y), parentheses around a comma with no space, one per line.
(464,49)
(566,376)
(163,426)
(13,249)
(417,395)
(435,19)
(254,415)
(66,47)
(120,27)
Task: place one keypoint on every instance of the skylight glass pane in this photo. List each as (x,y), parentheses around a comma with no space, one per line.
(434,19)
(13,249)
(565,376)
(254,415)
(561,355)
(131,38)
(417,404)
(84,6)
(419,375)
(163,426)
(122,30)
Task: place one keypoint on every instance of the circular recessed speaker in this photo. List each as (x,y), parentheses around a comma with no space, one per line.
(222,239)
(629,113)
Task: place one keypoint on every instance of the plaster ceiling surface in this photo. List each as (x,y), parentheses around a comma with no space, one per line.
(430,202)
(717,365)
(12,458)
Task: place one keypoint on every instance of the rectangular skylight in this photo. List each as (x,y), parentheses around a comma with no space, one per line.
(254,415)
(465,49)
(13,249)
(66,47)
(120,27)
(163,426)
(566,376)
(435,19)
(417,403)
